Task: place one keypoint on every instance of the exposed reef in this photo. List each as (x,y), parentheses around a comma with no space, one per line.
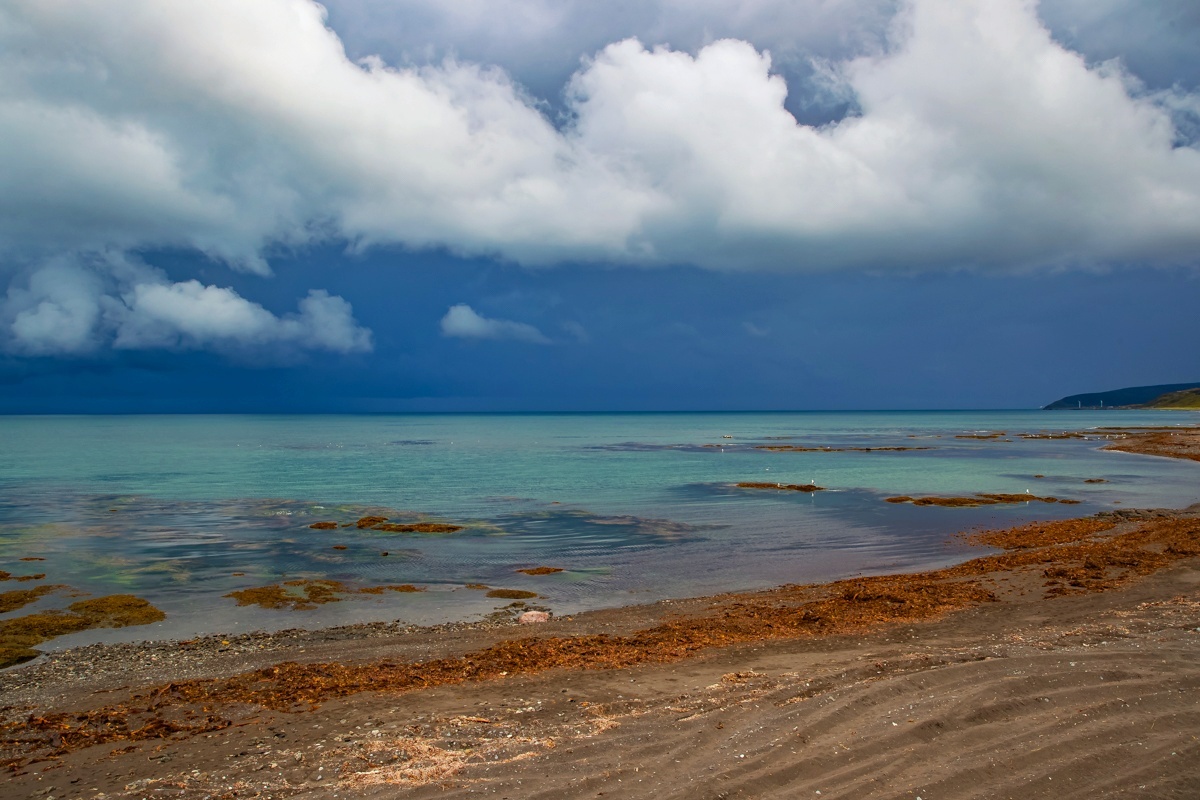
(377,523)
(783,487)
(977,500)
(795,448)
(540,570)
(1063,435)
(1175,442)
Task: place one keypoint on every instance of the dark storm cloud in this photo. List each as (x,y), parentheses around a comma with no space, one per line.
(978,139)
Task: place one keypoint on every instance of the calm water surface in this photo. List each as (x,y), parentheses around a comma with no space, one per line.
(634,507)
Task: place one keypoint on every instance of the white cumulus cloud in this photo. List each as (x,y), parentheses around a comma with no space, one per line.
(231,127)
(74,307)
(463,322)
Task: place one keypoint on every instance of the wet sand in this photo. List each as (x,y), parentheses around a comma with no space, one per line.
(1063,662)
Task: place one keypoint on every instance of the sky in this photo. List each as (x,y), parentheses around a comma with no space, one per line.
(574,205)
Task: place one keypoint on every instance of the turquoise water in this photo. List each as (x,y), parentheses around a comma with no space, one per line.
(634,507)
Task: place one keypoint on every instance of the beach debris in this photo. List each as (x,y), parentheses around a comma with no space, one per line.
(977,500)
(533,617)
(738,678)
(540,570)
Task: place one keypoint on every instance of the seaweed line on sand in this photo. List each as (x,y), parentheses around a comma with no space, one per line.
(1073,556)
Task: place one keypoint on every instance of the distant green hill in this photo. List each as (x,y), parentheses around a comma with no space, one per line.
(1188,398)
(1172,395)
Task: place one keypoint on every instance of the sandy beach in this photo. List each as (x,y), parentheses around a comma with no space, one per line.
(1062,661)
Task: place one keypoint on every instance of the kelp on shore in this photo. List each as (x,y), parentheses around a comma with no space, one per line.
(1072,556)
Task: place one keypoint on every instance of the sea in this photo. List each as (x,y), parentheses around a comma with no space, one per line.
(633,508)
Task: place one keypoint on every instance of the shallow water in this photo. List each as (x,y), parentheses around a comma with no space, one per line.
(634,507)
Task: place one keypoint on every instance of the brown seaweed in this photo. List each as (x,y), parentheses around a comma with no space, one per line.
(1073,555)
(1176,442)
(511,594)
(403,588)
(416,527)
(305,595)
(794,448)
(19,636)
(976,500)
(8,576)
(19,598)
(783,487)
